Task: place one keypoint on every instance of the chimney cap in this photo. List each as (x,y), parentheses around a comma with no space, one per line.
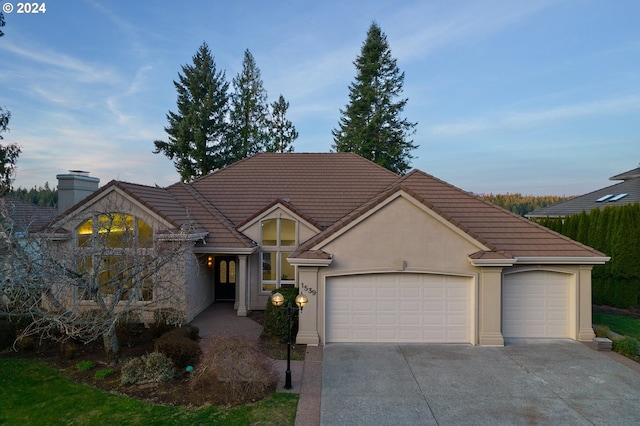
(79,172)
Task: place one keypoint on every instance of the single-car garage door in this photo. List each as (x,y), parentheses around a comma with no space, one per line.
(398,308)
(536,304)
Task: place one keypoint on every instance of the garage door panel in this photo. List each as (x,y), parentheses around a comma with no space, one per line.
(404,308)
(536,304)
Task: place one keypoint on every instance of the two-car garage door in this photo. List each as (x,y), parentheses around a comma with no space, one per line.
(399,308)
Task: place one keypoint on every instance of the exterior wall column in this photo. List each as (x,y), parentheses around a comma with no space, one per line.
(585,325)
(242,286)
(490,307)
(308,317)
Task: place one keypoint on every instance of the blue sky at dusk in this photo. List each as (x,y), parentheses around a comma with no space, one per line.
(536,97)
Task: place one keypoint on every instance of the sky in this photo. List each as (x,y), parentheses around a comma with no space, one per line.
(532,97)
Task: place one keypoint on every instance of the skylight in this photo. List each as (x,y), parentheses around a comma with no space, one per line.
(604,198)
(618,197)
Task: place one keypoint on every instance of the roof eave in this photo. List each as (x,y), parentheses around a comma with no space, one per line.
(492,262)
(562,260)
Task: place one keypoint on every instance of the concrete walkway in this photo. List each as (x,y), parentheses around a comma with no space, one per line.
(306,376)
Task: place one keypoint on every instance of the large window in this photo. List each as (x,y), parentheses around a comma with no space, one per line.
(117,249)
(279,237)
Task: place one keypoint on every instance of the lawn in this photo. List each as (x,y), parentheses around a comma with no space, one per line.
(33,393)
(627,326)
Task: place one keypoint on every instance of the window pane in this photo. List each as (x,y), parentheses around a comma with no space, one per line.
(287,232)
(145,234)
(115,230)
(223,272)
(269,232)
(269,267)
(232,272)
(84,232)
(287,271)
(268,287)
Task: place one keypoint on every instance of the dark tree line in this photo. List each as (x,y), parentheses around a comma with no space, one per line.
(523,204)
(40,196)
(615,231)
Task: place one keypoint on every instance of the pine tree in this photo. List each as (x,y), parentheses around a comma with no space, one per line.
(198,130)
(371,125)
(249,111)
(282,132)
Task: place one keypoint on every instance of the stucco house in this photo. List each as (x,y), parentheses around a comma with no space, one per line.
(381,257)
(627,191)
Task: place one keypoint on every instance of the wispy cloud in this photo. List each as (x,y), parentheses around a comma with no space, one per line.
(82,71)
(526,119)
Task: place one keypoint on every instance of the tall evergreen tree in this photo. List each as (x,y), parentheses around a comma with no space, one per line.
(282,132)
(197,132)
(249,111)
(371,125)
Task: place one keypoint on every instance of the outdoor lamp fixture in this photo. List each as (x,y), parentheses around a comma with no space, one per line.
(278,301)
(209,261)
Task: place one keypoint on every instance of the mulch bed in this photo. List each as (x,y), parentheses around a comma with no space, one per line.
(176,393)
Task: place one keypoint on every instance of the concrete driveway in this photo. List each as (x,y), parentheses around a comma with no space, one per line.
(525,382)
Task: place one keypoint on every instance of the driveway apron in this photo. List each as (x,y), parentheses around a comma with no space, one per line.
(525,382)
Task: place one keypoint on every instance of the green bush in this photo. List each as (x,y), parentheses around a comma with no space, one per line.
(276,320)
(7,334)
(182,350)
(601,330)
(85,365)
(627,346)
(151,368)
(103,374)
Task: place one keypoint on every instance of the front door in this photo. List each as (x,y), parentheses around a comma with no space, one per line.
(225,278)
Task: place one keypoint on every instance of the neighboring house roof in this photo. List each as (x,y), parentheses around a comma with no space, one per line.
(27,216)
(627,175)
(331,191)
(620,194)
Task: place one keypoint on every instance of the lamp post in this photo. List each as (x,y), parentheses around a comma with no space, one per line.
(278,300)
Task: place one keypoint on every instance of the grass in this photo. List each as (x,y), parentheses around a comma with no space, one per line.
(627,326)
(33,393)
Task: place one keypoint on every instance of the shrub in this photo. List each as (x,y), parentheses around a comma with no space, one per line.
(276,320)
(182,350)
(103,374)
(85,365)
(627,346)
(234,371)
(7,334)
(601,331)
(151,368)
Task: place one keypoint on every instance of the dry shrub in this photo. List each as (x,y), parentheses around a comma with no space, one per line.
(234,370)
(151,368)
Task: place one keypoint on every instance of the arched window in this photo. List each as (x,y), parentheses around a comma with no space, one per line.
(117,249)
(278,238)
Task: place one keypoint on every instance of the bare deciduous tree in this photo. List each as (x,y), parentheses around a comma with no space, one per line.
(77,280)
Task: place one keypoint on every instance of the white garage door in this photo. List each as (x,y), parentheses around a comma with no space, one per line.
(535,304)
(398,308)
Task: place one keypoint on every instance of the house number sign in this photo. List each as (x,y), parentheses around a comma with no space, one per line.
(308,289)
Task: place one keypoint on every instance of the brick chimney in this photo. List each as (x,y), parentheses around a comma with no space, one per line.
(74,187)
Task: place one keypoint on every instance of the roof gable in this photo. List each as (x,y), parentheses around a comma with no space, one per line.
(500,231)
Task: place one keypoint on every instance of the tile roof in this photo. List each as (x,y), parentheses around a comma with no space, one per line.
(27,216)
(504,233)
(588,202)
(331,190)
(322,186)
